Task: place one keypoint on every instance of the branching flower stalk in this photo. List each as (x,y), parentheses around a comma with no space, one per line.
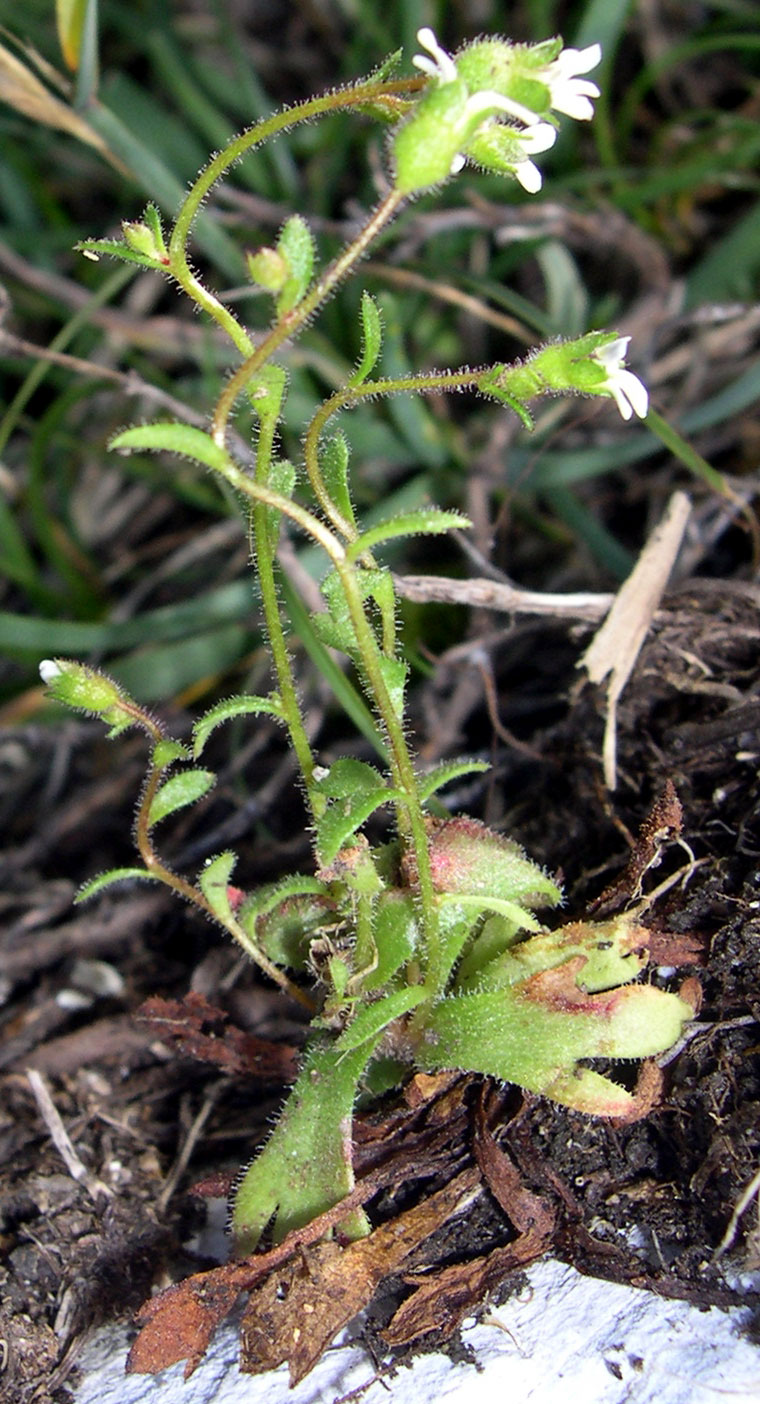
(426,951)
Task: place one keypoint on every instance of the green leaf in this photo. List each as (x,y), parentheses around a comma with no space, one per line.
(394,931)
(172,438)
(178,792)
(166,752)
(282,920)
(114,248)
(533,1033)
(395,674)
(333,463)
(429,521)
(282,479)
(243,705)
(348,778)
(372,339)
(213,880)
(103,880)
(303,1169)
(373,1018)
(296,244)
(483,902)
(343,818)
(445,772)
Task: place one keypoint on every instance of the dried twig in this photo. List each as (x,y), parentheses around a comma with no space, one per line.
(96,1189)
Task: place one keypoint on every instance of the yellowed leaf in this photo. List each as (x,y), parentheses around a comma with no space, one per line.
(69,17)
(22,90)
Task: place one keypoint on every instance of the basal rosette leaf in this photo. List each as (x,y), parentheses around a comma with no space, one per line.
(305,1167)
(614,952)
(535,1031)
(470,860)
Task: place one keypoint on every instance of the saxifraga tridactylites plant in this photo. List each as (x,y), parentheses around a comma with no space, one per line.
(425,953)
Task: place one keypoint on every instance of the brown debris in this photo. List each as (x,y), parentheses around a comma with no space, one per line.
(294,1317)
(198,1029)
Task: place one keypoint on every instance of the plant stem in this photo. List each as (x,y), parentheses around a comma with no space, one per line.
(356,95)
(426,382)
(265,559)
(155,865)
(294,320)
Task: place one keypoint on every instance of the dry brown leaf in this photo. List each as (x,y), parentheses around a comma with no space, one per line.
(198,1029)
(616,645)
(22,89)
(295,1316)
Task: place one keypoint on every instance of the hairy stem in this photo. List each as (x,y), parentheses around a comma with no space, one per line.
(293,321)
(389,95)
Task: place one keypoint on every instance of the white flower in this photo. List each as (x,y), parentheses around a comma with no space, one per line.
(538,138)
(49,670)
(569,93)
(441,65)
(628,392)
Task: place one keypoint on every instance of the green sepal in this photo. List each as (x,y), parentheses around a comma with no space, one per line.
(266,391)
(305,1167)
(333,462)
(178,792)
(373,1018)
(296,245)
(488,384)
(103,880)
(181,439)
(242,705)
(372,339)
(213,880)
(431,137)
(166,752)
(428,521)
(445,772)
(92,691)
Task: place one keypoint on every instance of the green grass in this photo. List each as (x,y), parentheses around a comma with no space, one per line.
(673,153)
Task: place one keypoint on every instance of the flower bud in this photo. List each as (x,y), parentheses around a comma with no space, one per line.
(89,691)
